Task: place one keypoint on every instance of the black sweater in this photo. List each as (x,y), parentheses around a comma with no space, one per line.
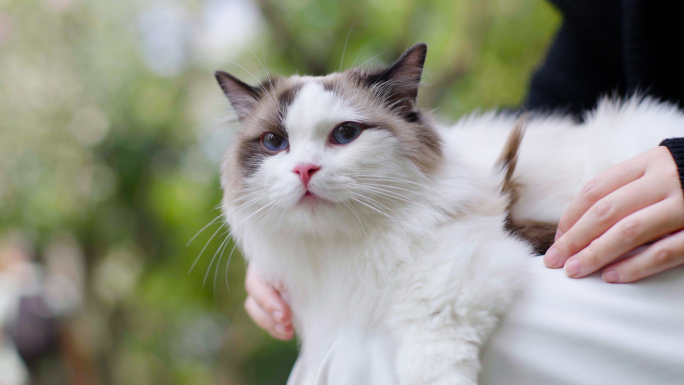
(614,47)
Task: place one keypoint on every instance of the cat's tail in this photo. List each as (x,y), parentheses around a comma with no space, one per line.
(509,158)
(539,234)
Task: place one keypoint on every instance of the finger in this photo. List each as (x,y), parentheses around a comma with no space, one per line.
(635,230)
(601,216)
(266,322)
(597,188)
(662,255)
(267,297)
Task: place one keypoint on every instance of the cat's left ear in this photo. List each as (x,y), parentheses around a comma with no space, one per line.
(242,96)
(399,83)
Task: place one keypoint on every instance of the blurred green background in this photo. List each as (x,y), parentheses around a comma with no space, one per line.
(112,127)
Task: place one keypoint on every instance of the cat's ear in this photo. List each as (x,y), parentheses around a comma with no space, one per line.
(242,96)
(400,81)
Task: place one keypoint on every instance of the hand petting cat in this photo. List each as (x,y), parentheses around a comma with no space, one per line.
(628,205)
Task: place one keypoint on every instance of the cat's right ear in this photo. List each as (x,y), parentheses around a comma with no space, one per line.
(399,83)
(242,96)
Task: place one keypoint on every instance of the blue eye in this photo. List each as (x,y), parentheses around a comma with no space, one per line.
(273,142)
(346,132)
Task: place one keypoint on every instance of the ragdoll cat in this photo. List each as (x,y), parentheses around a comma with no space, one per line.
(384,226)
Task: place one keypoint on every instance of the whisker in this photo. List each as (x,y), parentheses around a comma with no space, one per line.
(384,193)
(218,264)
(228,264)
(361,65)
(256,57)
(205,246)
(243,196)
(254,213)
(203,228)
(275,103)
(347,41)
(282,213)
(264,218)
(378,203)
(383,187)
(268,76)
(214,258)
(356,215)
(249,203)
(263,50)
(358,199)
(234,63)
(387,177)
(243,206)
(391,179)
(225,243)
(377,210)
(355,59)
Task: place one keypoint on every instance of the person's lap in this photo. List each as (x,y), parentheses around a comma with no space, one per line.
(568,331)
(561,331)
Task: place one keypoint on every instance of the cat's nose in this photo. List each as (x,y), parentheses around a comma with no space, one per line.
(305,172)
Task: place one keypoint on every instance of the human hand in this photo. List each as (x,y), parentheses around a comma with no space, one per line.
(266,307)
(628,205)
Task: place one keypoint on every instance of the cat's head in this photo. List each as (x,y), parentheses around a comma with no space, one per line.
(333,153)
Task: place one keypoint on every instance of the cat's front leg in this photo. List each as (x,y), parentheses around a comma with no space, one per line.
(441,351)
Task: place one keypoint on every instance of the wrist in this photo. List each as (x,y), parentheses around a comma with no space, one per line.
(676,148)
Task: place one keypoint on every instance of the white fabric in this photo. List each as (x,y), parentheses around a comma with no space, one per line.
(372,362)
(561,331)
(12,369)
(566,331)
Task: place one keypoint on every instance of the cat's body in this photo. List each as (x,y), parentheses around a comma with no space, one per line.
(399,233)
(444,261)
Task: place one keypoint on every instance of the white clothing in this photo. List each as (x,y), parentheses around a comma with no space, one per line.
(562,331)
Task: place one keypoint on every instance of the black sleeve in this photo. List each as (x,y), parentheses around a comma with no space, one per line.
(611,47)
(583,62)
(676,147)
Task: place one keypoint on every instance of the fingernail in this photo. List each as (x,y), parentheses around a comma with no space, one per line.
(278,315)
(558,234)
(280,329)
(611,276)
(552,258)
(572,268)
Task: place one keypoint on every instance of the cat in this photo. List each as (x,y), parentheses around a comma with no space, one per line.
(384,225)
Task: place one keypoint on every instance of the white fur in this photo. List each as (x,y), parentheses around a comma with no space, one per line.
(422,259)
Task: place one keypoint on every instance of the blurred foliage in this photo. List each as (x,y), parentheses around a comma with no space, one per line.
(111,130)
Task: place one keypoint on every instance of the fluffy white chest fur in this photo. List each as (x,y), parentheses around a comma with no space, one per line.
(381,224)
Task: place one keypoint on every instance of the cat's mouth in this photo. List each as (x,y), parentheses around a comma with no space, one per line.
(310,198)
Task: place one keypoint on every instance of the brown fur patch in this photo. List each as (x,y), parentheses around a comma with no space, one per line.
(267,116)
(509,156)
(539,234)
(415,129)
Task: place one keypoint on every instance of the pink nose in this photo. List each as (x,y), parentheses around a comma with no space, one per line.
(305,172)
